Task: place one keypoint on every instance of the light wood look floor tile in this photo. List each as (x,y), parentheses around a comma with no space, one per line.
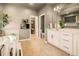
(38,47)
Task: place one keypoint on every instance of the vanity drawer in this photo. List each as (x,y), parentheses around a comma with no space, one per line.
(67,46)
(66,37)
(66,42)
(68,49)
(66,34)
(69,41)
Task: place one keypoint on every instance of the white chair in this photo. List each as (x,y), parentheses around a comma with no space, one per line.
(11,46)
(5,50)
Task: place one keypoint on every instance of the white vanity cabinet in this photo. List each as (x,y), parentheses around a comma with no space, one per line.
(49,36)
(76,45)
(56,38)
(66,41)
(53,37)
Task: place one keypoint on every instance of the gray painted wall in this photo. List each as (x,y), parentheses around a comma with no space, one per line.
(66,8)
(54,17)
(47,10)
(16,14)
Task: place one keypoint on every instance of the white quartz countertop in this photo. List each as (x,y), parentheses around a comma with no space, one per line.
(67,30)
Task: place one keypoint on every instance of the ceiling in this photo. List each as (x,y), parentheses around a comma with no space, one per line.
(70,8)
(38,6)
(34,6)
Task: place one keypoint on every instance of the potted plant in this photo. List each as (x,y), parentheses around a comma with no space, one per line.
(3,21)
(1,25)
(62,23)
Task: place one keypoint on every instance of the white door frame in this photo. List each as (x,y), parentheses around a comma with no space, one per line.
(36,26)
(40,24)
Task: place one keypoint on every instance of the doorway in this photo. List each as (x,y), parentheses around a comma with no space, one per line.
(34,26)
(42,26)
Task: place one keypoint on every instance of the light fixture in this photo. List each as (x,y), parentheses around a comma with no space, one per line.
(57,9)
(67,12)
(54,9)
(31,3)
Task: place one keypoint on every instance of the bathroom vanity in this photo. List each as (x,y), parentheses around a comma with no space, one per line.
(66,39)
(24,32)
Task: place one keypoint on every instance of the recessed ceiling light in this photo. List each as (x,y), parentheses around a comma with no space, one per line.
(31,3)
(67,12)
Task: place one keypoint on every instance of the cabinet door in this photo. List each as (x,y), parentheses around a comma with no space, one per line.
(56,38)
(49,36)
(76,45)
(53,37)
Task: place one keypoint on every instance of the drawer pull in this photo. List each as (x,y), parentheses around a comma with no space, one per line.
(66,40)
(51,36)
(65,47)
(66,34)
